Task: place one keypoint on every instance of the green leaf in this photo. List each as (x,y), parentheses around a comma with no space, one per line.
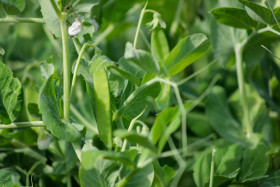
(13,7)
(199,124)
(226,165)
(234,17)
(33,110)
(187,51)
(143,177)
(159,44)
(136,138)
(103,106)
(48,106)
(9,178)
(139,99)
(121,73)
(10,95)
(85,6)
(221,118)
(50,17)
(254,164)
(259,13)
(47,69)
(161,121)
(89,158)
(141,59)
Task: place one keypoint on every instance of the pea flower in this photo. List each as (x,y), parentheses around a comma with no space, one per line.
(75,28)
(156,22)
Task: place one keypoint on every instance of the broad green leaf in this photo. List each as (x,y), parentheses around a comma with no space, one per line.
(226,165)
(168,173)
(255,163)
(199,124)
(47,69)
(139,99)
(121,73)
(159,44)
(141,59)
(161,122)
(85,6)
(223,40)
(10,95)
(33,110)
(103,106)
(221,118)
(260,13)
(143,177)
(89,158)
(92,178)
(135,138)
(49,109)
(13,7)
(49,15)
(234,17)
(9,178)
(187,51)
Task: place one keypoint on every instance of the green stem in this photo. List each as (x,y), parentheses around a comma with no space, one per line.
(66,67)
(86,45)
(139,25)
(56,9)
(242,91)
(176,21)
(125,180)
(104,34)
(18,125)
(212,168)
(22,20)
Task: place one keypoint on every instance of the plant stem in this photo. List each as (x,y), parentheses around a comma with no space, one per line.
(66,67)
(139,25)
(104,34)
(176,21)
(56,9)
(86,45)
(22,20)
(18,125)
(212,168)
(242,91)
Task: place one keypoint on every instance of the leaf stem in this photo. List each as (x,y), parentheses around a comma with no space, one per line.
(22,20)
(56,9)
(242,91)
(139,25)
(212,168)
(176,21)
(66,67)
(18,125)
(86,45)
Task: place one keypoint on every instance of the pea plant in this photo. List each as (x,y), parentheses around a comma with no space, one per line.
(108,94)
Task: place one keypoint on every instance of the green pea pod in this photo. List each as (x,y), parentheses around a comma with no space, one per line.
(103,106)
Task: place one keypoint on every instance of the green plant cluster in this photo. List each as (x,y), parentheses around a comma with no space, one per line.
(120,93)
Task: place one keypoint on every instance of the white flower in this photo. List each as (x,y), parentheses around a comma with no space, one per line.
(75,28)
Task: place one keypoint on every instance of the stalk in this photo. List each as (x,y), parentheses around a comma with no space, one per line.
(66,67)
(242,91)
(139,25)
(212,168)
(22,20)
(18,125)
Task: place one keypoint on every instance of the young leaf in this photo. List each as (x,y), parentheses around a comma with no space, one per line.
(48,106)
(226,165)
(9,178)
(141,59)
(187,51)
(10,95)
(234,17)
(89,158)
(103,106)
(121,73)
(159,44)
(135,138)
(50,17)
(258,12)
(221,119)
(255,163)
(139,99)
(13,7)
(161,122)
(143,177)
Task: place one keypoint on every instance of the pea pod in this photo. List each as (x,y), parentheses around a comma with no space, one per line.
(103,106)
